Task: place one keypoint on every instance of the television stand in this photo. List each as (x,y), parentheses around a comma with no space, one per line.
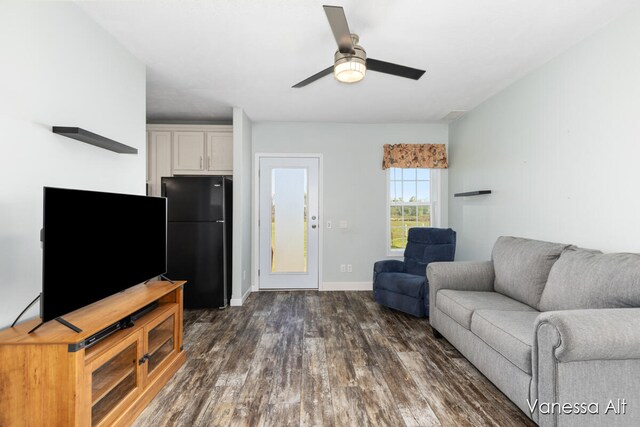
(95,377)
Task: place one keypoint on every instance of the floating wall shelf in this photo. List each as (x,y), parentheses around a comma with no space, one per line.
(94,139)
(472,193)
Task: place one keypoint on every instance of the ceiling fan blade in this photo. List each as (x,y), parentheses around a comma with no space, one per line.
(394,69)
(315,77)
(340,28)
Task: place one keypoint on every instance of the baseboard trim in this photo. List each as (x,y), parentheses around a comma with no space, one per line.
(346,286)
(237,302)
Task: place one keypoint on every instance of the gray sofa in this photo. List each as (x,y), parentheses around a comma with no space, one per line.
(550,325)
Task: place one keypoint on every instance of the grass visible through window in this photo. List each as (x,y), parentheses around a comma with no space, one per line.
(410,203)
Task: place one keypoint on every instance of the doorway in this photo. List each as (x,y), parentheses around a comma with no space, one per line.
(289,223)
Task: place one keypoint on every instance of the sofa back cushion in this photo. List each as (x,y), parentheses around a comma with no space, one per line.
(522,267)
(426,245)
(583,279)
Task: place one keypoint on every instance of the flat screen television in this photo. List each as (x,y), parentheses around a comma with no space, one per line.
(98,244)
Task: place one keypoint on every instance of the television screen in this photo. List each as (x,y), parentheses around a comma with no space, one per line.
(97,244)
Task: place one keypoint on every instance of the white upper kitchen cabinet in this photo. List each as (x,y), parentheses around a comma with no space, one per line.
(158,160)
(187,150)
(220,153)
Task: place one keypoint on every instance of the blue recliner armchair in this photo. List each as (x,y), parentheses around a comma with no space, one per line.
(403,285)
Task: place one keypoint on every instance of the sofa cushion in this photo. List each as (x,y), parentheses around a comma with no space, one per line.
(522,267)
(460,305)
(402,283)
(584,279)
(510,333)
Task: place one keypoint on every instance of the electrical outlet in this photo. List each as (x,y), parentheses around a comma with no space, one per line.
(328,224)
(343,268)
(349,268)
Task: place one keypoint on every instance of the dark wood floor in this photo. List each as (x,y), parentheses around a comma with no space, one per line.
(323,358)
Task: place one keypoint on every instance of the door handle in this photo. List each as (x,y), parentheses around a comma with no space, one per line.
(209,162)
(220,220)
(144,359)
(201,167)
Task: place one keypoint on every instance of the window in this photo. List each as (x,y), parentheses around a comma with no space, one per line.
(409,203)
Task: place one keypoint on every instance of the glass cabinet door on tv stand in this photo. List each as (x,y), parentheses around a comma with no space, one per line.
(161,340)
(115,378)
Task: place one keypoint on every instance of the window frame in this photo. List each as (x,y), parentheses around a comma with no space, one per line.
(434,193)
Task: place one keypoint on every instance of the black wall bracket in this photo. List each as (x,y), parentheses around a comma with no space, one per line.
(472,193)
(94,139)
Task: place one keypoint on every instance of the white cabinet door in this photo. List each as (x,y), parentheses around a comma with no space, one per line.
(159,157)
(188,152)
(220,152)
(148,157)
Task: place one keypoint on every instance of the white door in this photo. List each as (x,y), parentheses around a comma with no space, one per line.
(289,223)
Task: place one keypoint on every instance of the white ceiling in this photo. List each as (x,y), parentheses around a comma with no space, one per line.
(204,57)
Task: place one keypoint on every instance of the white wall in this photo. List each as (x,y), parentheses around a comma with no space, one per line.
(559,149)
(58,68)
(354,183)
(241,274)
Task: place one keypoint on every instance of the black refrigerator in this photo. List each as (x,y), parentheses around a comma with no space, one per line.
(199,237)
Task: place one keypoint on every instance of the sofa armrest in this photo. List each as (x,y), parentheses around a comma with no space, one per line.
(464,276)
(586,356)
(461,275)
(597,334)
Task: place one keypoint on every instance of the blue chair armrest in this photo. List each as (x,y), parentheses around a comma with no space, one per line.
(387,266)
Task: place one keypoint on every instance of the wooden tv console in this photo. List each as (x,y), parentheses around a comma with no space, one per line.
(48,378)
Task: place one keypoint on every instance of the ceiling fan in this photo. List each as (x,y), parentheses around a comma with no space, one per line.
(350,60)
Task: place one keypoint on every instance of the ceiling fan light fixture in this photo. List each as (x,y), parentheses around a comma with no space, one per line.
(350,67)
(350,71)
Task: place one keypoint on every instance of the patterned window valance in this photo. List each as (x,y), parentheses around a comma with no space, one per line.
(432,156)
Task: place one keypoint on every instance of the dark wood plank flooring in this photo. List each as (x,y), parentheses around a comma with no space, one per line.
(323,359)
